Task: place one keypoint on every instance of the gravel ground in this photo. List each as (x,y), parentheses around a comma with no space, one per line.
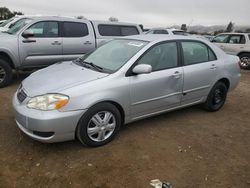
(188,148)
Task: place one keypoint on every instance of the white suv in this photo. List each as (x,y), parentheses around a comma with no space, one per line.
(235,44)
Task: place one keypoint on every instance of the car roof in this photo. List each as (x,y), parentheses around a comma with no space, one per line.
(234,33)
(57,18)
(161,37)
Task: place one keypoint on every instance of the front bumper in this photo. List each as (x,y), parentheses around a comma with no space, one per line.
(60,125)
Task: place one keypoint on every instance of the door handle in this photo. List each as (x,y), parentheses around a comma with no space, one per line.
(177,75)
(56,43)
(29,41)
(213,67)
(87,42)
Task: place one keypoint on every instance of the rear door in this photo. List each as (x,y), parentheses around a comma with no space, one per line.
(45,48)
(236,43)
(78,39)
(162,88)
(200,71)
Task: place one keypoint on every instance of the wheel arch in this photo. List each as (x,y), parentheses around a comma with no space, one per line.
(5,56)
(226,81)
(117,105)
(243,52)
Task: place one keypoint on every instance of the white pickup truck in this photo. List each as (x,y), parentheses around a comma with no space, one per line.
(235,44)
(41,41)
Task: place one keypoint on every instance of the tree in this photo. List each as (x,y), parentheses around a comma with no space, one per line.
(5,13)
(230,27)
(113,19)
(184,27)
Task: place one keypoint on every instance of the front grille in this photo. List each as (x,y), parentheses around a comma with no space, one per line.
(21,95)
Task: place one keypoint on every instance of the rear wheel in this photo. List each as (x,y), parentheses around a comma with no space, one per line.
(245,61)
(5,73)
(99,125)
(216,98)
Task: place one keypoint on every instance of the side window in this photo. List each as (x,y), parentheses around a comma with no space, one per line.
(109,30)
(237,39)
(160,32)
(129,30)
(211,54)
(74,29)
(45,29)
(117,30)
(195,52)
(220,39)
(162,56)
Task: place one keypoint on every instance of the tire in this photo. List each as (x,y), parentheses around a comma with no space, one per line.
(245,61)
(216,97)
(5,73)
(93,131)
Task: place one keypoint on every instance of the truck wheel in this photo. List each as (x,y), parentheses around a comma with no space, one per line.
(245,60)
(216,97)
(5,73)
(99,125)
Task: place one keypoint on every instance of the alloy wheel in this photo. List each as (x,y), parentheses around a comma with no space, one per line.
(2,74)
(101,126)
(245,62)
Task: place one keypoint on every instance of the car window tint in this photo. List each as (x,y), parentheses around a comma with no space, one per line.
(180,33)
(194,52)
(211,54)
(160,32)
(117,30)
(237,39)
(129,30)
(74,29)
(160,57)
(220,39)
(45,29)
(249,37)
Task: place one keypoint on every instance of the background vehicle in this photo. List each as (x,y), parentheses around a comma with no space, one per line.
(167,31)
(41,41)
(126,79)
(235,44)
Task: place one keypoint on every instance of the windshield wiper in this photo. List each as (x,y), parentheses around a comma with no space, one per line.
(88,64)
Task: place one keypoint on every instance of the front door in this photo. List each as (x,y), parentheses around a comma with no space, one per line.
(162,88)
(44,48)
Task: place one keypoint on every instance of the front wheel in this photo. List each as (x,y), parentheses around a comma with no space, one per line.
(99,125)
(216,97)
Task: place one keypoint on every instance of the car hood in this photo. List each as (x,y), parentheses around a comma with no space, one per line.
(58,77)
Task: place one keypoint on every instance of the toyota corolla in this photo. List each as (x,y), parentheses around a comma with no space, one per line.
(122,81)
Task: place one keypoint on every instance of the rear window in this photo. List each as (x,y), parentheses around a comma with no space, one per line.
(160,32)
(117,30)
(249,37)
(180,33)
(74,29)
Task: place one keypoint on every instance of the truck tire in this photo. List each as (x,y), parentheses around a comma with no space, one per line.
(245,61)
(5,73)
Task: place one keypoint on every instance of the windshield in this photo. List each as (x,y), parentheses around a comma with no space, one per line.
(6,22)
(114,54)
(18,25)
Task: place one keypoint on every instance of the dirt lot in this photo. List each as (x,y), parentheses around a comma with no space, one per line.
(189,148)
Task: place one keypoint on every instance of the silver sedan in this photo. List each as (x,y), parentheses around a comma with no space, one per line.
(122,81)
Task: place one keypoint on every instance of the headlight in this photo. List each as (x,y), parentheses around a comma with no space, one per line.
(48,102)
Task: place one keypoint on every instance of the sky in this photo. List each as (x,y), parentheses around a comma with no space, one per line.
(150,13)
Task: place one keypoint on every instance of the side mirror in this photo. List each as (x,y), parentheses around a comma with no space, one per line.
(28,33)
(142,69)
